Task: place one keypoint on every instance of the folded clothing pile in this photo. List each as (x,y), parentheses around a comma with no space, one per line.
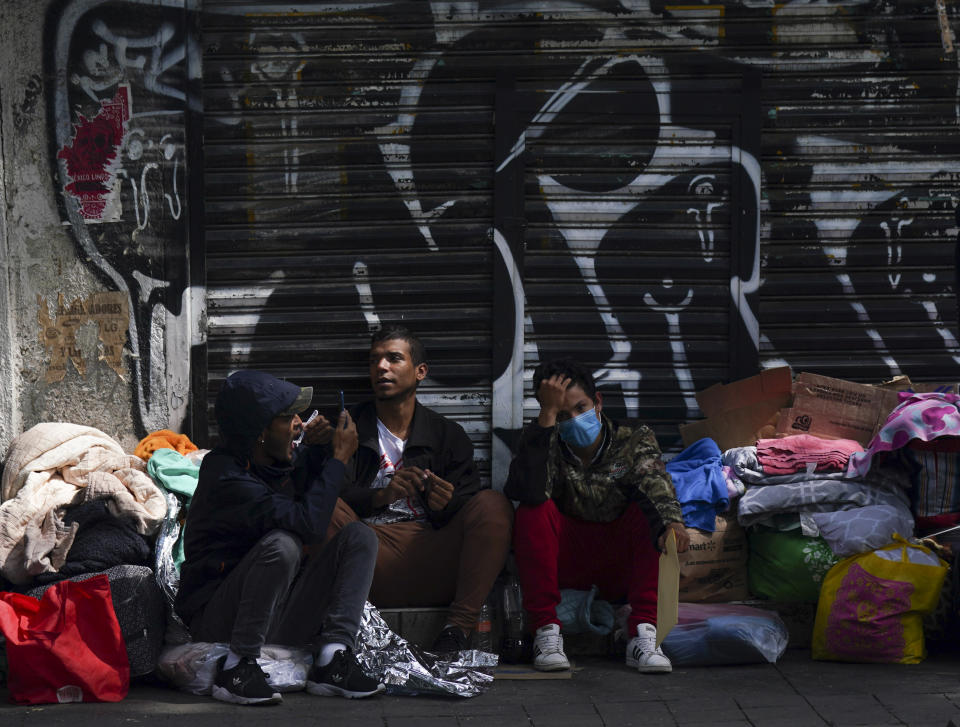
(805,453)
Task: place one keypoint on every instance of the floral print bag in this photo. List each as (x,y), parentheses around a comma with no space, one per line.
(872,605)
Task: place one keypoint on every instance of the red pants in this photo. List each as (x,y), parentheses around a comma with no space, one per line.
(554,551)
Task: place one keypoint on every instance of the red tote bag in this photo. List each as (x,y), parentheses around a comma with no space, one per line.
(65,647)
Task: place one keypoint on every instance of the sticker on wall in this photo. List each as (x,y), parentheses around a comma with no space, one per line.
(111,313)
(93,159)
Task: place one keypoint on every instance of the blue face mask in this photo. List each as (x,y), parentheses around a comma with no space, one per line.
(582,430)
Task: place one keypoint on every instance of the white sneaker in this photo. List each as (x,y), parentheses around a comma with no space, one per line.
(548,649)
(644,654)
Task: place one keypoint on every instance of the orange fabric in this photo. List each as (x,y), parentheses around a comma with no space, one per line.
(163,439)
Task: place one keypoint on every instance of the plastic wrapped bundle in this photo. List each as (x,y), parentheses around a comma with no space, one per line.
(713,634)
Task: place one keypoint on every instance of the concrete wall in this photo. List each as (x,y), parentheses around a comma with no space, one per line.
(7,340)
(90,317)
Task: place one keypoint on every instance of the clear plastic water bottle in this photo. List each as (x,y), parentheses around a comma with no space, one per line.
(483,632)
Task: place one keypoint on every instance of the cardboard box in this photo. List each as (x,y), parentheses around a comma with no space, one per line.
(722,398)
(740,413)
(897,383)
(836,409)
(714,568)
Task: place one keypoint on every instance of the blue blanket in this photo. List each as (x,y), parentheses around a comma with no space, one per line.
(698,479)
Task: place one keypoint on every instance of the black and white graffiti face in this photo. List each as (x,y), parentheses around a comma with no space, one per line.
(708,203)
(884,259)
(633,176)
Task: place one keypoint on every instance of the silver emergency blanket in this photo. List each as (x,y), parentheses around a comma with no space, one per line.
(407,669)
(164,567)
(167,573)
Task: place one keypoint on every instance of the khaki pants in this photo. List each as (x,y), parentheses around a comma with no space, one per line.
(418,565)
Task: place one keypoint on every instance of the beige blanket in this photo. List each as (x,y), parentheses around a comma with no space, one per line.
(54,465)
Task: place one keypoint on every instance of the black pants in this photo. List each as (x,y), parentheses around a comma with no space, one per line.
(276,596)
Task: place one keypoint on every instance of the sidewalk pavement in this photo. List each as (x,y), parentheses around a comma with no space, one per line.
(796,691)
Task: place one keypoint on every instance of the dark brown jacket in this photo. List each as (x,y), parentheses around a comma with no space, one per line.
(435,443)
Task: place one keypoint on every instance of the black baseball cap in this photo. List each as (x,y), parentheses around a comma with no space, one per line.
(249,400)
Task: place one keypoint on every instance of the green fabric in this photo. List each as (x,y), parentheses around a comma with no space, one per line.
(787,566)
(174,472)
(177,550)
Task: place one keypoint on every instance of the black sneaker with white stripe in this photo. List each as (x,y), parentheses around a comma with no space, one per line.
(245,683)
(342,677)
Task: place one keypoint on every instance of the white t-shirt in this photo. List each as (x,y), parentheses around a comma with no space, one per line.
(391,459)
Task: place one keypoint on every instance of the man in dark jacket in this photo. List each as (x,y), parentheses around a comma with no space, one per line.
(259,500)
(443,538)
(594,499)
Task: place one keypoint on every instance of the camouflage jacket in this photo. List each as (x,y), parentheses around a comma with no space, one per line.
(627,468)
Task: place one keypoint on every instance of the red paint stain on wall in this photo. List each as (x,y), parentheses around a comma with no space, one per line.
(92,157)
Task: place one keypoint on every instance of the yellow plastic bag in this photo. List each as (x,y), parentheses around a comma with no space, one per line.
(872,604)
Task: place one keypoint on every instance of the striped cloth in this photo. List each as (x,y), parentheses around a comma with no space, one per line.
(937,482)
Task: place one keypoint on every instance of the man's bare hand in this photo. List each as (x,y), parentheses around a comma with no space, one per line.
(411,479)
(551,394)
(344,437)
(683,540)
(439,491)
(406,482)
(319,431)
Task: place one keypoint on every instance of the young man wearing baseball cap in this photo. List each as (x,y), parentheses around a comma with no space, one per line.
(245,580)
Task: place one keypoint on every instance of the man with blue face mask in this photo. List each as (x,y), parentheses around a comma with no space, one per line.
(595,503)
